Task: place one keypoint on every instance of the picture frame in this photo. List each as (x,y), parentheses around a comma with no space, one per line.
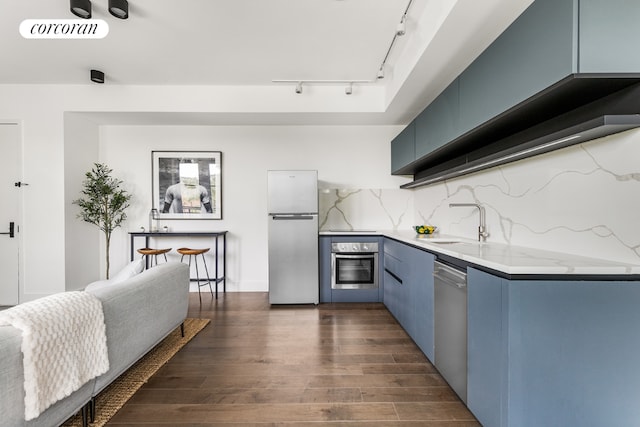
(187,184)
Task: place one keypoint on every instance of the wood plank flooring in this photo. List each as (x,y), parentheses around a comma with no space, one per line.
(257,365)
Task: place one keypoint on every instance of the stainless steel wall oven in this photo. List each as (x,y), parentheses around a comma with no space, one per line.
(354,265)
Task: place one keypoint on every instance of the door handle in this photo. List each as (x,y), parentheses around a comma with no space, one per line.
(11,233)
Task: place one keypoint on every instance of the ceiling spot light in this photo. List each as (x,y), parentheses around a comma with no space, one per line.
(119,8)
(299,88)
(81,8)
(349,89)
(97,76)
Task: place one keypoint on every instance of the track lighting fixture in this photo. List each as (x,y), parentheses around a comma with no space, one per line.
(97,76)
(119,8)
(348,90)
(401,29)
(81,8)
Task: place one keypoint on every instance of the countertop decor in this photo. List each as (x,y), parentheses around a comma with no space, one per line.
(425,229)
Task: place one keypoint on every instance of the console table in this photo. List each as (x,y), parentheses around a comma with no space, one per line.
(216,235)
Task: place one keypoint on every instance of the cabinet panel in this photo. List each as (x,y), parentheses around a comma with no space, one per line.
(536,51)
(438,123)
(393,296)
(609,36)
(408,287)
(324,261)
(544,353)
(403,149)
(394,248)
(573,353)
(485,361)
(421,295)
(394,287)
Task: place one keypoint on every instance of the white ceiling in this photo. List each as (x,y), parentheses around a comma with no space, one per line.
(250,43)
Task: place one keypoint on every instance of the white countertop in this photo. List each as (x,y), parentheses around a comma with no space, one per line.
(513,260)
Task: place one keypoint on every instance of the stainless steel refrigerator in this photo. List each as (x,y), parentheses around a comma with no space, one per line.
(293,237)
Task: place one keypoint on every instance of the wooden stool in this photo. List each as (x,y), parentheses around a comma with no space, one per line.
(195,253)
(147,252)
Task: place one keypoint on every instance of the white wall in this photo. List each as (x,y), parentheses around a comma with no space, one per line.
(83,241)
(345,156)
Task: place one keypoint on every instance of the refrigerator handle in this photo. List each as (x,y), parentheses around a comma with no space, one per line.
(290,217)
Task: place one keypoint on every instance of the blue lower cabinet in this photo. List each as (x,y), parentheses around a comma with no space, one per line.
(394,288)
(421,299)
(408,285)
(485,358)
(553,353)
(324,266)
(393,295)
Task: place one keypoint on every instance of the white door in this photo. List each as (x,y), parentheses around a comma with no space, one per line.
(10,174)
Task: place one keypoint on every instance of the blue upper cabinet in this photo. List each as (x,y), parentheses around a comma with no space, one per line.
(609,36)
(530,74)
(403,149)
(538,50)
(438,123)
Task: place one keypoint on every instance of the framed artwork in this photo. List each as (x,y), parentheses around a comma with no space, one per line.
(187,184)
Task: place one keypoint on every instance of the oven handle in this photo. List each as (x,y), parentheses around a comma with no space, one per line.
(360,255)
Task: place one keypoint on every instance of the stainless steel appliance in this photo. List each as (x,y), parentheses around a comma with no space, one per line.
(354,265)
(450,341)
(293,237)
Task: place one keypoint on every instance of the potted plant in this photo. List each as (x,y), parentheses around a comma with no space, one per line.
(103,202)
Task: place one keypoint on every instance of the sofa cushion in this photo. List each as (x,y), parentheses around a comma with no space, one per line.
(130,270)
(133,268)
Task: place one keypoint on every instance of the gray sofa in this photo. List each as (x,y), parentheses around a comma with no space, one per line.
(139,312)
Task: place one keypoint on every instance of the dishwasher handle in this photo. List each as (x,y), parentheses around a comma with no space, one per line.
(449,275)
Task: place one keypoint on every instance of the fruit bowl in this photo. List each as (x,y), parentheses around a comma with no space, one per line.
(425,229)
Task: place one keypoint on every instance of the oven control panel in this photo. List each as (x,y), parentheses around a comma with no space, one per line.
(355,247)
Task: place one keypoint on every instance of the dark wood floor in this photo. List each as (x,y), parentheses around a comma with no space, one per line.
(334,364)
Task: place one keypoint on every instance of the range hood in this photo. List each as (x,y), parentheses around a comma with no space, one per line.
(577,109)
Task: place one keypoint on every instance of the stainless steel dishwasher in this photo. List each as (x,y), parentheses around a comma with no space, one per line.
(450,341)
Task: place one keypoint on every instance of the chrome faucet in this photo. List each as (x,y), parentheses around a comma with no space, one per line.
(482,228)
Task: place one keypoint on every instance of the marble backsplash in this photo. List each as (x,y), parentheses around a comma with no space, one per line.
(365,209)
(583,200)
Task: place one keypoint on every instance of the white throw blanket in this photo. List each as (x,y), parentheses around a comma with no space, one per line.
(64,345)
